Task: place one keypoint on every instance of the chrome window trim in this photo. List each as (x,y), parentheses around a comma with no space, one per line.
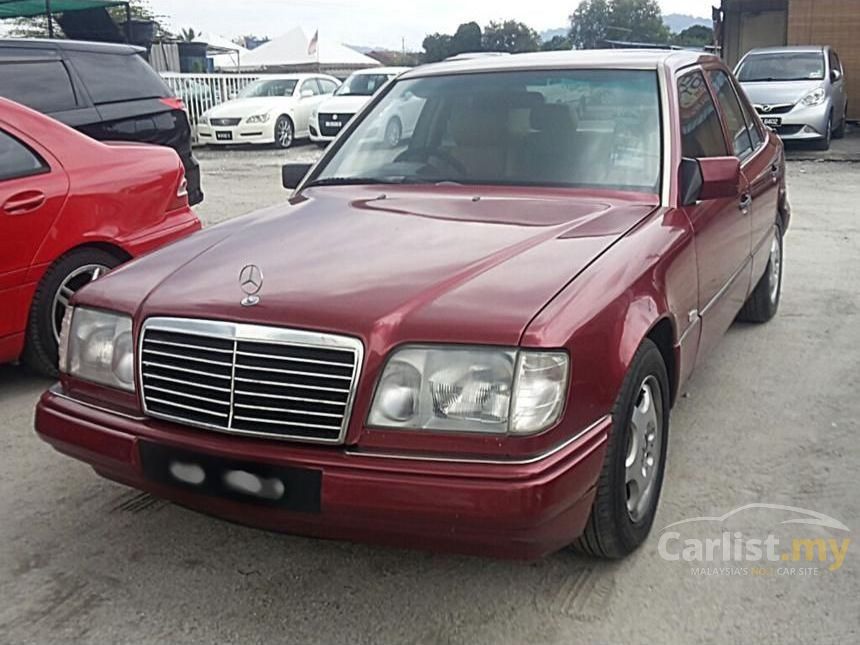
(238,332)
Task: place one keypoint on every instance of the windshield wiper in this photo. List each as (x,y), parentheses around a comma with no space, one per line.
(352,181)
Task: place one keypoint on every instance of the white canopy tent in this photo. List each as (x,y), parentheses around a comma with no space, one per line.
(294,51)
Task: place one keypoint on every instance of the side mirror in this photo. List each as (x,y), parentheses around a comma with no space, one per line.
(709,178)
(306,94)
(835,75)
(293,173)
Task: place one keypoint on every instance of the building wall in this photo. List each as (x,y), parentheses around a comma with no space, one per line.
(748,24)
(835,23)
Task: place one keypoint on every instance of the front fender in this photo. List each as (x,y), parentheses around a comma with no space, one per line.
(602,317)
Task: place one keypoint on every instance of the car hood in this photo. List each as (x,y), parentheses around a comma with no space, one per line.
(344,104)
(413,264)
(781,92)
(238,108)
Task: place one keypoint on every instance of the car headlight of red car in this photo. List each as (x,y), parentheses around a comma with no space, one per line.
(471,389)
(98,346)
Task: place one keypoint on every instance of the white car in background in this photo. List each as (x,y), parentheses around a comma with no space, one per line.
(336,111)
(273,110)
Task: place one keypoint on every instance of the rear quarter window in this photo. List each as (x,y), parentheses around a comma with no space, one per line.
(44,86)
(111,78)
(18,160)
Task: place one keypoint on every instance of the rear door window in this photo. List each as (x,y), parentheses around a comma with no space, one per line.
(44,85)
(701,132)
(17,160)
(111,78)
(735,121)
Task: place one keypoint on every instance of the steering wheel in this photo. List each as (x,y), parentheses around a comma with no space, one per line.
(425,154)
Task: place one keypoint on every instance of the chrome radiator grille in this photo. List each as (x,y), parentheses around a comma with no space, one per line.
(249,379)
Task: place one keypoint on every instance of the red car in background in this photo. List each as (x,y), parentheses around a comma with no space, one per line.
(72,209)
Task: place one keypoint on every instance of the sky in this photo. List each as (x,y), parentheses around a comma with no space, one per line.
(374,23)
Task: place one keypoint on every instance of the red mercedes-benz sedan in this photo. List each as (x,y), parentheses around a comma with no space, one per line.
(469,340)
(72,209)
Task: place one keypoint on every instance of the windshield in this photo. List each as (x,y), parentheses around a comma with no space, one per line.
(275,87)
(362,84)
(574,128)
(785,66)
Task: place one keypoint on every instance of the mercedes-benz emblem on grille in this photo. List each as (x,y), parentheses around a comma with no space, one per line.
(250,281)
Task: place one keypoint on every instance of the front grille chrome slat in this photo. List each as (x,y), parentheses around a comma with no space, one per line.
(249,379)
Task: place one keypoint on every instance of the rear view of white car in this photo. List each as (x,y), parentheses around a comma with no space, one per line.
(336,111)
(272,110)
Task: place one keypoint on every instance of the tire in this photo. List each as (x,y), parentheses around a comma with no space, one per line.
(285,132)
(763,302)
(70,272)
(393,133)
(823,144)
(620,521)
(839,133)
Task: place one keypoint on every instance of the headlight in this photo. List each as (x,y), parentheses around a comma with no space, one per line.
(98,346)
(204,119)
(504,391)
(815,97)
(257,118)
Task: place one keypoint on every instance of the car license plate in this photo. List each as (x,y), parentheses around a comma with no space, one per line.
(224,136)
(293,489)
(772,121)
(333,124)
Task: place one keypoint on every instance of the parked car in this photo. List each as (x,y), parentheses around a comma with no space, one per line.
(106,91)
(799,92)
(471,343)
(335,112)
(72,209)
(273,110)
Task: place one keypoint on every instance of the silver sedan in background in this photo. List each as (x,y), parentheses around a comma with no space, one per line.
(798,91)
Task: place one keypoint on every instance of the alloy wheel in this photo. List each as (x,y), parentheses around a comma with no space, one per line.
(284,133)
(75,280)
(775,265)
(644,446)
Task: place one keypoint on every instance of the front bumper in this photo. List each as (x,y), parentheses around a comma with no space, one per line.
(803,123)
(521,509)
(242,133)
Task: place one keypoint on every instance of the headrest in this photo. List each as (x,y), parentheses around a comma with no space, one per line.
(552,117)
(478,123)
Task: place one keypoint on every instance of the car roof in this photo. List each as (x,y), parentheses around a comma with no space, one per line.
(572,59)
(75,45)
(782,50)
(381,70)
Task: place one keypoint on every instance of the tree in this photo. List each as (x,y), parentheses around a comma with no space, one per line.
(188,35)
(510,36)
(695,36)
(595,21)
(556,43)
(437,47)
(588,24)
(466,39)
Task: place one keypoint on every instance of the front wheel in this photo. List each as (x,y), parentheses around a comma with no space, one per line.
(763,302)
(284,132)
(823,144)
(68,274)
(632,477)
(839,133)
(393,133)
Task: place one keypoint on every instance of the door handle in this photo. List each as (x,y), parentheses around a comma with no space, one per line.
(774,171)
(745,203)
(24,202)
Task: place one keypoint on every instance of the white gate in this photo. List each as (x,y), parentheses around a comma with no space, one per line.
(201,92)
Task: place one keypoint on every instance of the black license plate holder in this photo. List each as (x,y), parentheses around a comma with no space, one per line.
(301,487)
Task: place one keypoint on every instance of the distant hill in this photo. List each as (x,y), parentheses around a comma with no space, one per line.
(677,22)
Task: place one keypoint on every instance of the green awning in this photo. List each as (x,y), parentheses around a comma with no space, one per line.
(30,8)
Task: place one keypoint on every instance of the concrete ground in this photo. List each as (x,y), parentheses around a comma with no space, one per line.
(773,417)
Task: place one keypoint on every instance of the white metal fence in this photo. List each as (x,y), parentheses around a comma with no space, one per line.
(203,91)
